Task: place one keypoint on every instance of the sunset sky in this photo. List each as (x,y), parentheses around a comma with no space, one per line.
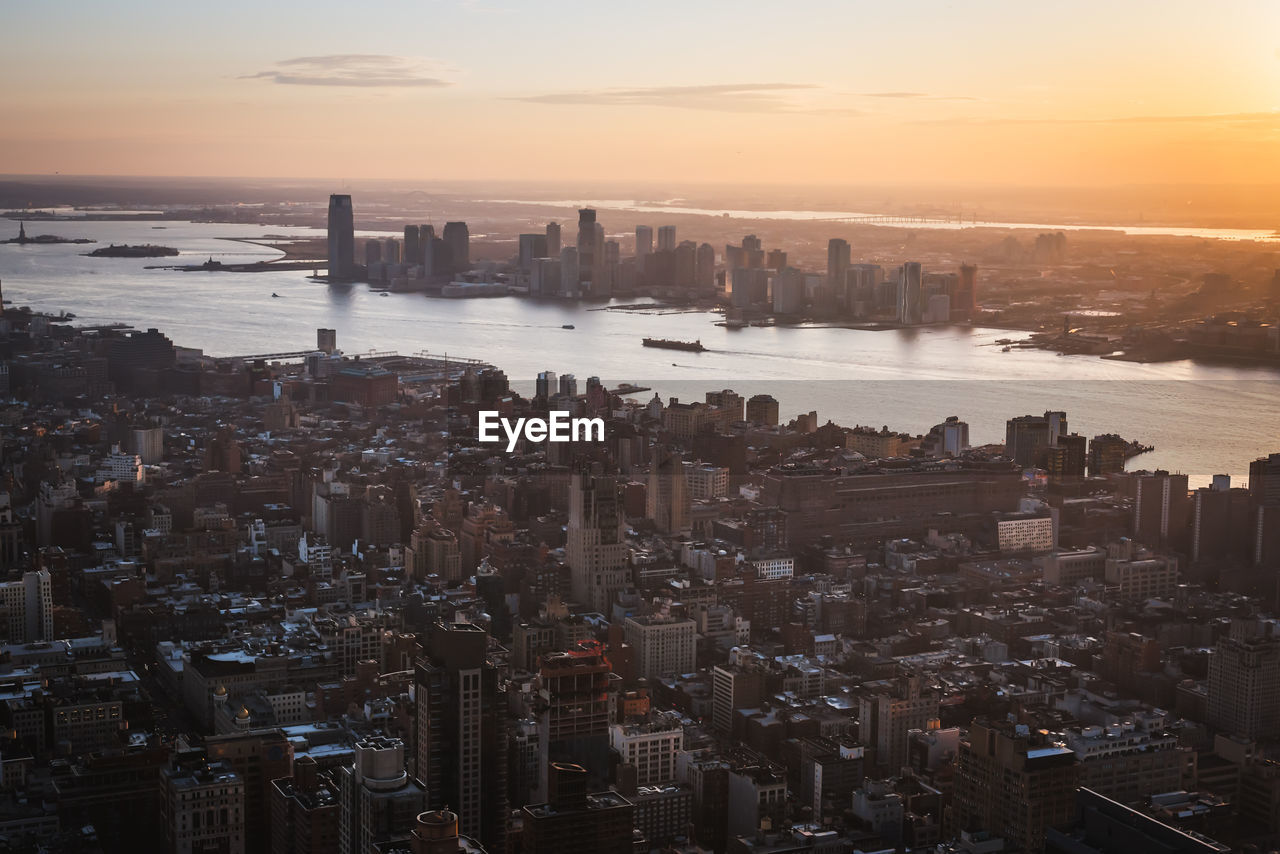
(832,91)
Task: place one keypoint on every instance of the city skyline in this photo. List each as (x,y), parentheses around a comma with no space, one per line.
(999,93)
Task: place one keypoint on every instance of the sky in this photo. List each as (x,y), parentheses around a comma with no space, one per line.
(802,92)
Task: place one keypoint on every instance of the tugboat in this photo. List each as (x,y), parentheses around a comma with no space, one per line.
(568,326)
(668,344)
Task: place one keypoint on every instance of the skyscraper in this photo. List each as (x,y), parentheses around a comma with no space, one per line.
(1027,437)
(667,498)
(412,252)
(596,549)
(586,250)
(837,264)
(553,240)
(458,238)
(644,240)
(378,799)
(461,732)
(909,289)
(666,238)
(531,246)
(342,238)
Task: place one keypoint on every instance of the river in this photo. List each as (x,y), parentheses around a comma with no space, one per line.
(1203,419)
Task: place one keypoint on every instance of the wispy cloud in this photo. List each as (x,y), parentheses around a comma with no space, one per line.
(719,97)
(919,96)
(1259,118)
(356,69)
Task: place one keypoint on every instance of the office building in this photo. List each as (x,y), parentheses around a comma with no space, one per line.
(1014,782)
(27,605)
(663,645)
(203,805)
(837,265)
(553,240)
(667,500)
(1244,680)
(304,810)
(531,246)
(762,409)
(1161,508)
(888,711)
(644,240)
(1027,437)
(649,748)
(910,295)
(342,238)
(575,822)
(461,731)
(667,238)
(412,252)
(586,252)
(596,548)
(458,238)
(573,711)
(378,799)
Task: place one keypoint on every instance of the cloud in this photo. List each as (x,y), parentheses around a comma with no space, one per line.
(356,69)
(923,96)
(720,97)
(1258,118)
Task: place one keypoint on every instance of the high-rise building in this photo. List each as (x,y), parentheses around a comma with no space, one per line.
(664,646)
(203,805)
(763,409)
(327,340)
(1221,522)
(461,732)
(1161,508)
(342,238)
(412,253)
(546,385)
(458,238)
(378,799)
(573,711)
(575,822)
(586,251)
(734,686)
(258,756)
(553,240)
(838,257)
(965,304)
(531,246)
(304,811)
(950,438)
(1027,436)
(1264,479)
(27,605)
(1244,680)
(1107,454)
(909,293)
(667,499)
(1014,782)
(888,710)
(666,238)
(570,272)
(650,748)
(644,240)
(596,549)
(705,277)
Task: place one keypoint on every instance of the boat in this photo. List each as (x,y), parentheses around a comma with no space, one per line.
(669,344)
(385,294)
(1005,349)
(568,326)
(275,295)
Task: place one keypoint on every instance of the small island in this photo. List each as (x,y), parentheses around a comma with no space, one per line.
(42,239)
(124,250)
